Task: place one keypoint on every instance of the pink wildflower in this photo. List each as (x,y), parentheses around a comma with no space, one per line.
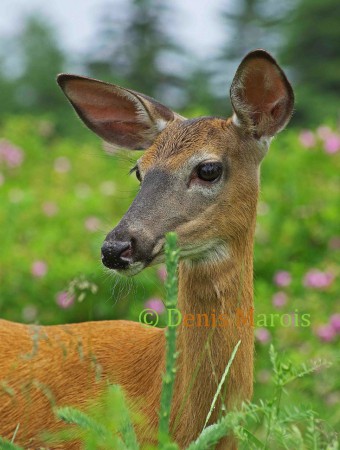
(62,164)
(282,278)
(326,333)
(307,138)
(317,279)
(92,224)
(335,322)
(332,143)
(107,188)
(50,209)
(10,155)
(279,299)
(64,299)
(29,313)
(155,304)
(161,272)
(323,132)
(334,243)
(262,335)
(39,269)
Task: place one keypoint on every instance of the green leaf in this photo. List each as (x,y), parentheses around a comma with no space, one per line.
(172,256)
(7,445)
(219,387)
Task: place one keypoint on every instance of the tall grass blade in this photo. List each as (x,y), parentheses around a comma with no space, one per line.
(172,256)
(219,387)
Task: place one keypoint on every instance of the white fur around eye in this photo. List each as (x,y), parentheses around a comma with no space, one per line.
(235,120)
(209,191)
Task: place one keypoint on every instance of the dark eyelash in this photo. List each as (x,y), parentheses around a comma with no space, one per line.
(134,169)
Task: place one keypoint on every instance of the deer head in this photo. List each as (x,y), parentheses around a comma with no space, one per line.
(199,177)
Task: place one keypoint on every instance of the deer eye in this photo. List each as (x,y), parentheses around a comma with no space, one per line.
(210,171)
(139,178)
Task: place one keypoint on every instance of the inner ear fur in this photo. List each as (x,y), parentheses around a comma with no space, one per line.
(120,116)
(261,95)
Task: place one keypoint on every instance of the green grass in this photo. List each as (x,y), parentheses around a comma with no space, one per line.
(298,230)
(266,425)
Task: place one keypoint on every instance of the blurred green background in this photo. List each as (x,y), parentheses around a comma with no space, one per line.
(61,192)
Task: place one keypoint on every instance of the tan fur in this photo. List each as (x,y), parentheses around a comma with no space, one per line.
(68,364)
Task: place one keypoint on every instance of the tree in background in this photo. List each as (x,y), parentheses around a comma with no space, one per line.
(29,64)
(311,49)
(249,24)
(37,58)
(135,49)
(252,24)
(200,96)
(41,60)
(7,90)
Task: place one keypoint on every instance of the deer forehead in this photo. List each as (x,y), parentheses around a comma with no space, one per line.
(184,140)
(184,144)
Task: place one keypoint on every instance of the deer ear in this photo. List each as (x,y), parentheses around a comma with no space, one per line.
(120,116)
(261,95)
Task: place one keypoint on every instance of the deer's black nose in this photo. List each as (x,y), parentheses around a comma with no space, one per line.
(116,254)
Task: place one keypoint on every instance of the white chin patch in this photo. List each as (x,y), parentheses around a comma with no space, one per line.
(209,253)
(132,270)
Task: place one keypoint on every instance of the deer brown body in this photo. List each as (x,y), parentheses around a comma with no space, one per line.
(200,178)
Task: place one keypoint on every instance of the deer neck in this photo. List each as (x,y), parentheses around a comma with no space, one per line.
(216,303)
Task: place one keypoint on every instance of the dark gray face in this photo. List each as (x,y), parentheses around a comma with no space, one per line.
(139,236)
(167,201)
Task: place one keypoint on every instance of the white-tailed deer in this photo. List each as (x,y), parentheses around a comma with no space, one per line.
(200,178)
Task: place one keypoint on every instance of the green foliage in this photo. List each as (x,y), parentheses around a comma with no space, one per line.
(89,191)
(133,45)
(41,60)
(247,25)
(251,24)
(58,205)
(310,49)
(57,208)
(7,445)
(106,424)
(222,382)
(38,58)
(257,426)
(265,425)
(172,256)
